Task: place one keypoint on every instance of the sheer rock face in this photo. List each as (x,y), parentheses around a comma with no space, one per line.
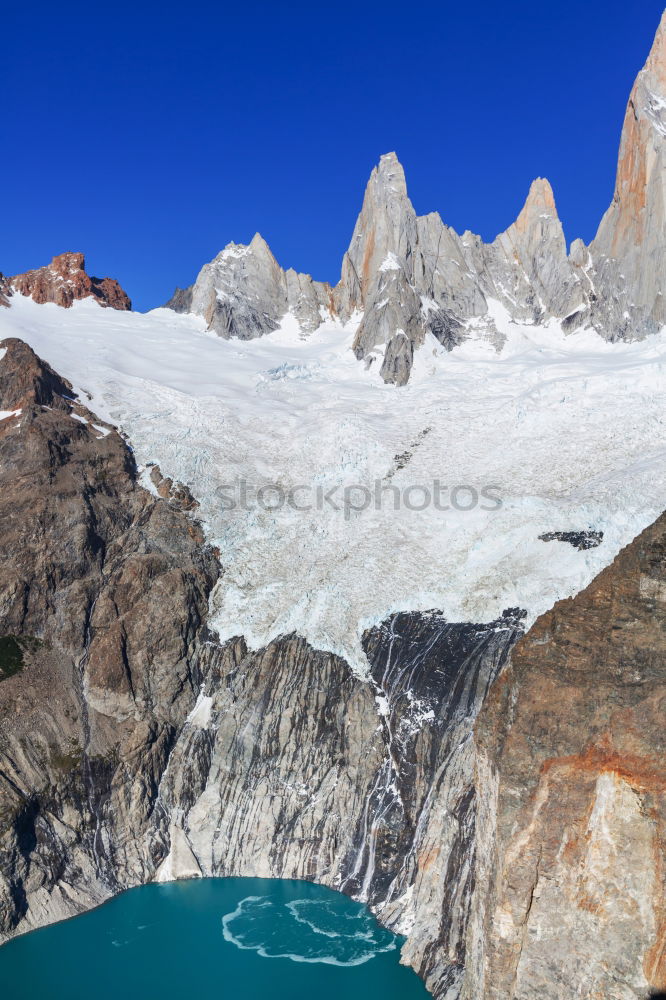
(64,280)
(572,746)
(629,250)
(88,557)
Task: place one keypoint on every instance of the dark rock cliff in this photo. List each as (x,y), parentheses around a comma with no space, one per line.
(100,678)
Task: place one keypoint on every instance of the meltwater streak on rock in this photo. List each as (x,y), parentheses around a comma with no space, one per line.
(307,772)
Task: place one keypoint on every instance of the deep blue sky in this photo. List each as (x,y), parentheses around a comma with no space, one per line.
(149,136)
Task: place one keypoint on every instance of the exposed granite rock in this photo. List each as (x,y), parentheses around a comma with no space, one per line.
(629,250)
(292,767)
(5,290)
(245,293)
(398,359)
(64,280)
(580,540)
(181,300)
(179,494)
(572,746)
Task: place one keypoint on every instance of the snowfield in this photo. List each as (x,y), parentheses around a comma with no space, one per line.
(568,431)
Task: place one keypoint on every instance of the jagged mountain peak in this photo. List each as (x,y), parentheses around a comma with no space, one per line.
(405,276)
(259,245)
(540,201)
(237,251)
(630,245)
(233,250)
(390,173)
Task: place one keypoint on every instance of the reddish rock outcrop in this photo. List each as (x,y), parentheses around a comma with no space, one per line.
(65,279)
(573,748)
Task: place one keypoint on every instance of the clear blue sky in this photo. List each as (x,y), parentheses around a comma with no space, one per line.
(150,135)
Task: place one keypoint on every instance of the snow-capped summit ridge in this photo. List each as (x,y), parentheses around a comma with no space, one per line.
(396,260)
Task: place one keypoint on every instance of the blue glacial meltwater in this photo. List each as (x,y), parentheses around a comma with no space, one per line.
(235,938)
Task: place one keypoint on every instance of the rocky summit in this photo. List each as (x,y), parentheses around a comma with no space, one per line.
(63,281)
(406,277)
(264,614)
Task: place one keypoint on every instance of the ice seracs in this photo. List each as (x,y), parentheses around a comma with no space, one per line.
(555,422)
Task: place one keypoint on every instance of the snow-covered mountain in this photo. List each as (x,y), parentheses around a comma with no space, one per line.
(534,379)
(267,628)
(407,276)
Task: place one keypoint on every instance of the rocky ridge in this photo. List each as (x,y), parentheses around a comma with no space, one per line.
(405,277)
(63,281)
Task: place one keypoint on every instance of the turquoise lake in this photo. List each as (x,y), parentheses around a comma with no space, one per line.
(233,937)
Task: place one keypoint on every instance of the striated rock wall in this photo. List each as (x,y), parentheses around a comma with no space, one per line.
(292,767)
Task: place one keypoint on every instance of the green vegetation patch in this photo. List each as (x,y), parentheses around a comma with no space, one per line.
(12,649)
(68,758)
(11,656)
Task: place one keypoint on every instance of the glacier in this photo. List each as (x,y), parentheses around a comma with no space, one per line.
(567,428)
